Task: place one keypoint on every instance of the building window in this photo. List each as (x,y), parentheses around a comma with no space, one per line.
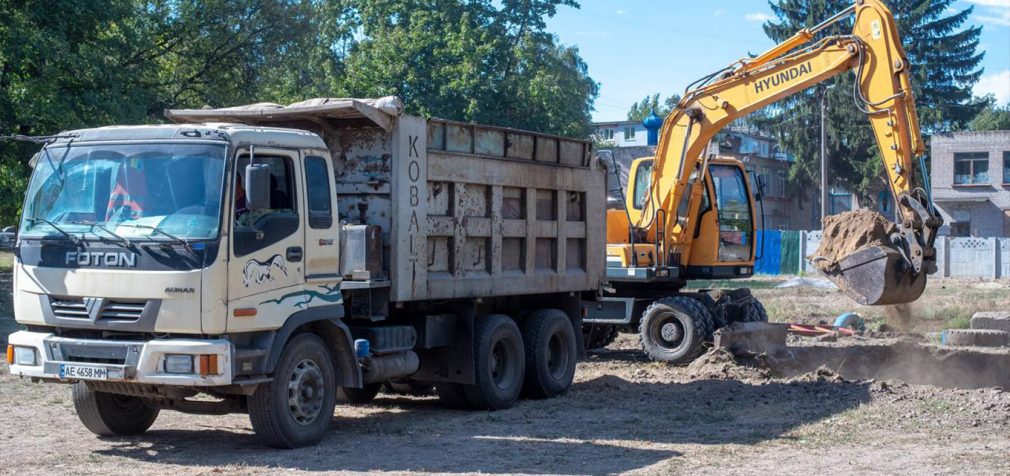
(971,168)
(629,133)
(608,134)
(961,228)
(1006,166)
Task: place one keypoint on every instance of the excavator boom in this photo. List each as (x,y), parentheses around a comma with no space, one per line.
(882,90)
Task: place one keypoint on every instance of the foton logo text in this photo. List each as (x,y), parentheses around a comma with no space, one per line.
(101,258)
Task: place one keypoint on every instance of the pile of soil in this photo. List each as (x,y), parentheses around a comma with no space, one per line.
(718,364)
(849,232)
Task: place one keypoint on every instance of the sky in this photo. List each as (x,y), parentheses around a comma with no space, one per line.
(636,48)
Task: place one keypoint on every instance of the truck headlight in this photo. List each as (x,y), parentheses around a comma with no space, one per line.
(178,364)
(24,355)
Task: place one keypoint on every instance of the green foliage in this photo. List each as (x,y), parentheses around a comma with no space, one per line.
(68,64)
(944,67)
(472,61)
(992,118)
(640,110)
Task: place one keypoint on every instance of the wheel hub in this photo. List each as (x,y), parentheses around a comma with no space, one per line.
(671,332)
(500,364)
(305,392)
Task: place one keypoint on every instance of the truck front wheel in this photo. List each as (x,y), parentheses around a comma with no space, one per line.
(499,363)
(295,408)
(551,353)
(108,414)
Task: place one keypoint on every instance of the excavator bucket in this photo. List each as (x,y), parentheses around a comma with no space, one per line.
(878,275)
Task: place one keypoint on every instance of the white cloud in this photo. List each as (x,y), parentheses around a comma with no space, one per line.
(758,17)
(992,3)
(720,12)
(997,84)
(620,12)
(994,17)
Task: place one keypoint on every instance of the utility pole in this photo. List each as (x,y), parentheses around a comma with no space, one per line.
(824,155)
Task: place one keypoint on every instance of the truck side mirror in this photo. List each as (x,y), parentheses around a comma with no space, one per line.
(257,187)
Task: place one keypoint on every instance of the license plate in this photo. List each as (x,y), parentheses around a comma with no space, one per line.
(86,372)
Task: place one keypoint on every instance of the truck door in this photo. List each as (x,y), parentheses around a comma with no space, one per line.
(321,237)
(266,268)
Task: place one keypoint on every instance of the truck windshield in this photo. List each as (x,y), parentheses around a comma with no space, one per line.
(135,190)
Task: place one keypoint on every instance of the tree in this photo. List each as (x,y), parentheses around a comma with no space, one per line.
(472,61)
(640,110)
(992,118)
(944,67)
(105,62)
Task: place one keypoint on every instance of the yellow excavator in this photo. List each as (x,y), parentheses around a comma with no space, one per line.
(689,215)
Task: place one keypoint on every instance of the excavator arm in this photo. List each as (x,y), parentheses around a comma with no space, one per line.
(882,90)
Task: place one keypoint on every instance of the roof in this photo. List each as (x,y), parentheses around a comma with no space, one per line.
(238,134)
(380,111)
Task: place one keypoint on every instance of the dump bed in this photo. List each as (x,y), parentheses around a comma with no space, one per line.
(466,210)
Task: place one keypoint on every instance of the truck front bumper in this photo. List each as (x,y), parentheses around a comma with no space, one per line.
(61,359)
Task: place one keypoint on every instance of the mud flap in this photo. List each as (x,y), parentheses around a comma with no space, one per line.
(878,276)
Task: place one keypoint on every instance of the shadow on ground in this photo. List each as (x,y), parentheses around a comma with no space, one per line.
(604,425)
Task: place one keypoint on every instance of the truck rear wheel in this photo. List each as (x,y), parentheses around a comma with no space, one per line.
(674,329)
(499,363)
(108,414)
(551,353)
(295,408)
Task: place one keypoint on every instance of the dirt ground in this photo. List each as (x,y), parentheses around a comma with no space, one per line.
(623,415)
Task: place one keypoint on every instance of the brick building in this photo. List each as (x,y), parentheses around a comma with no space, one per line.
(971,182)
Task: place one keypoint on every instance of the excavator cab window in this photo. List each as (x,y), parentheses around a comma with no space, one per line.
(643,178)
(736,226)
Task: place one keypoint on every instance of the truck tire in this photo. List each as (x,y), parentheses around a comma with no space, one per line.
(598,336)
(754,311)
(452,395)
(108,414)
(296,407)
(974,338)
(551,353)
(360,396)
(499,363)
(675,329)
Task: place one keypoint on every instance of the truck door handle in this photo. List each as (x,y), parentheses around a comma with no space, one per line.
(294,254)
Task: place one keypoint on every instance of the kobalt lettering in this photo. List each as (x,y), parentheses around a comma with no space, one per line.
(109,259)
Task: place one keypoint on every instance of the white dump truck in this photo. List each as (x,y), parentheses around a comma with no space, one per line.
(270,256)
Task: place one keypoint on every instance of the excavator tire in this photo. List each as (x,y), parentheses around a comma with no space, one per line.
(598,336)
(675,329)
(974,338)
(754,311)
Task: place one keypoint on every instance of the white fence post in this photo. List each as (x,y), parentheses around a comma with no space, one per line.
(994,268)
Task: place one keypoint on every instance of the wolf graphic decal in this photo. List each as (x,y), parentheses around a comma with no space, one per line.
(258,272)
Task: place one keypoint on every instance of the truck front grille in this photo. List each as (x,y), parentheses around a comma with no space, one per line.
(97,308)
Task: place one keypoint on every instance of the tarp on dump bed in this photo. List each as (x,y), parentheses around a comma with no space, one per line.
(380,111)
